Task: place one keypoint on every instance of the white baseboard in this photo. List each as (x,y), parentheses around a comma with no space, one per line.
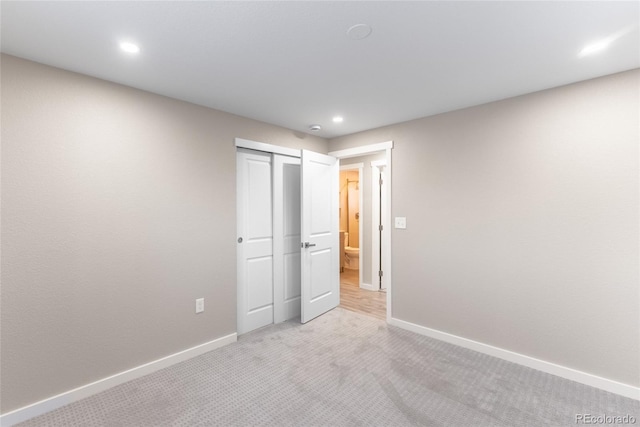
(62,399)
(368,287)
(541,365)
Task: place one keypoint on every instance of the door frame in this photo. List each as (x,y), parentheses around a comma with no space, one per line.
(360,168)
(387,148)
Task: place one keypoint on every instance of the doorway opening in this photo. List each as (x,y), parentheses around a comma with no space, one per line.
(362,212)
(351,212)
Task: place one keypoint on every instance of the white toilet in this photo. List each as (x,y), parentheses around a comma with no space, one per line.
(352,255)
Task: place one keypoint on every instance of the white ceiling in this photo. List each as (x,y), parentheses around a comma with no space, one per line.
(292,64)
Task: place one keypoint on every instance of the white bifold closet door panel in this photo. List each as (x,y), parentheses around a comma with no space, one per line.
(320,249)
(255,240)
(286,238)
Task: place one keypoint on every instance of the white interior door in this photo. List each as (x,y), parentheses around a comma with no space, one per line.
(286,238)
(320,288)
(255,240)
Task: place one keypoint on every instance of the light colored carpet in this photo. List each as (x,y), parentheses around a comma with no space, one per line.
(341,369)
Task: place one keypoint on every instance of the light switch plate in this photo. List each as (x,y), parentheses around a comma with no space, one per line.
(401,222)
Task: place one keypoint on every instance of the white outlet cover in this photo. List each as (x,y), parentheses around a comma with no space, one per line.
(401,222)
(199,305)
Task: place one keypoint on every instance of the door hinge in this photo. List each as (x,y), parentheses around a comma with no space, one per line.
(380,227)
(380,274)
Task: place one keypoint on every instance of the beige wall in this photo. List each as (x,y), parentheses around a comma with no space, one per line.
(118,211)
(117,205)
(522,224)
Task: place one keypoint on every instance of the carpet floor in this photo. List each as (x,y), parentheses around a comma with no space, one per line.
(341,369)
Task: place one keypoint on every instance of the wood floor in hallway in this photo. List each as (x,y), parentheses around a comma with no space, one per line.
(371,303)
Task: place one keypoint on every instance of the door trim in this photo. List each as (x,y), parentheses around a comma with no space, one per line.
(376,207)
(362,150)
(267,148)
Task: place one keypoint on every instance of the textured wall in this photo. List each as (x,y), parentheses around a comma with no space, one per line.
(522,224)
(118,211)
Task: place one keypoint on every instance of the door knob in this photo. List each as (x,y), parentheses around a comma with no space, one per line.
(239,239)
(308,245)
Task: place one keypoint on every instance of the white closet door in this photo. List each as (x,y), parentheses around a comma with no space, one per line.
(255,240)
(286,238)
(320,249)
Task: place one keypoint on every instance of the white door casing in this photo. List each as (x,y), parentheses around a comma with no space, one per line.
(286,238)
(255,240)
(320,288)
(378,206)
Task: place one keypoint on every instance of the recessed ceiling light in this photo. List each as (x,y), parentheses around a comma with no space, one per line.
(315,128)
(129,47)
(595,47)
(602,44)
(359,31)
(338,119)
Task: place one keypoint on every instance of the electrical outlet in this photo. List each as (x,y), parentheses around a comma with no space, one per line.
(199,305)
(401,222)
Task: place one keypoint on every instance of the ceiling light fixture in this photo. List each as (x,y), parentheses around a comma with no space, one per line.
(604,43)
(129,47)
(338,119)
(315,128)
(359,31)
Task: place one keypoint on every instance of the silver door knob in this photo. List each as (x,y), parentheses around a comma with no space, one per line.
(239,239)
(308,245)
